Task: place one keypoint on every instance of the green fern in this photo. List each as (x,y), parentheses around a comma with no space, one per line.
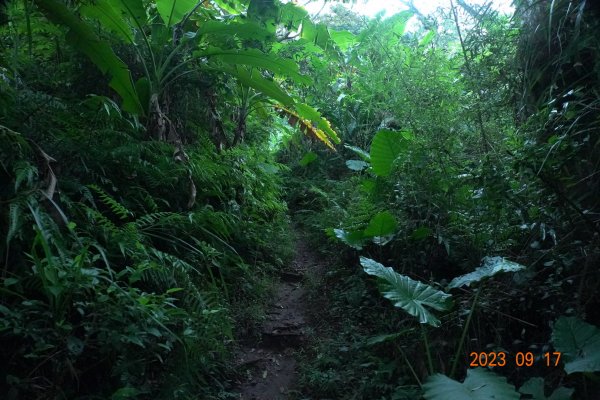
(117,208)
(24,173)
(14,215)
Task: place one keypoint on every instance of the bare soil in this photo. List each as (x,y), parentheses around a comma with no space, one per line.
(268,365)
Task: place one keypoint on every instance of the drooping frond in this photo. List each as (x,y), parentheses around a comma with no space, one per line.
(306,126)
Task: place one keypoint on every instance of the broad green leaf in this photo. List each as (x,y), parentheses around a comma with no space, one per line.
(353,239)
(10,281)
(308,158)
(125,393)
(292,16)
(357,165)
(398,22)
(535,388)
(84,39)
(410,295)
(382,224)
(256,58)
(427,38)
(265,11)
(255,80)
(246,30)
(368,185)
(363,154)
(231,6)
(480,384)
(421,232)
(343,39)
(579,343)
(387,145)
(173,11)
(110,17)
(491,266)
(319,35)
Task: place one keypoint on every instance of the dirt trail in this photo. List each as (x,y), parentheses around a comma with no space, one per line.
(269,365)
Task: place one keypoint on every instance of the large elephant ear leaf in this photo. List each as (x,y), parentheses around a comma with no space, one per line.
(410,295)
(579,343)
(491,266)
(534,387)
(84,39)
(480,384)
(387,145)
(382,224)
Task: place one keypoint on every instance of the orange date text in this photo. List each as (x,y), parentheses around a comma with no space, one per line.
(520,359)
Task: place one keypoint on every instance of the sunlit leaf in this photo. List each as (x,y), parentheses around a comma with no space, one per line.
(246,30)
(256,58)
(173,11)
(307,112)
(343,39)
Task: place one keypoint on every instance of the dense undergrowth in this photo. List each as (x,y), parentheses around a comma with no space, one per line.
(151,151)
(457,150)
(113,286)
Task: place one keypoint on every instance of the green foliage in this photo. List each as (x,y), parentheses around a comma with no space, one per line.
(579,343)
(500,164)
(382,224)
(82,37)
(479,384)
(139,237)
(491,266)
(410,295)
(386,147)
(173,12)
(535,388)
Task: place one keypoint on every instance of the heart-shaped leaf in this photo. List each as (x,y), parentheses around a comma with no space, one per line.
(579,343)
(480,384)
(410,295)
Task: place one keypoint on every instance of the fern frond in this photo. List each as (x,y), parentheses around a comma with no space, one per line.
(117,208)
(96,217)
(24,172)
(14,215)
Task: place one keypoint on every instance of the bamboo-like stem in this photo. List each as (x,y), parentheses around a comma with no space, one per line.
(464,334)
(427,350)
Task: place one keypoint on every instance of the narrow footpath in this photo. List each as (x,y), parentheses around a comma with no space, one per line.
(269,364)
